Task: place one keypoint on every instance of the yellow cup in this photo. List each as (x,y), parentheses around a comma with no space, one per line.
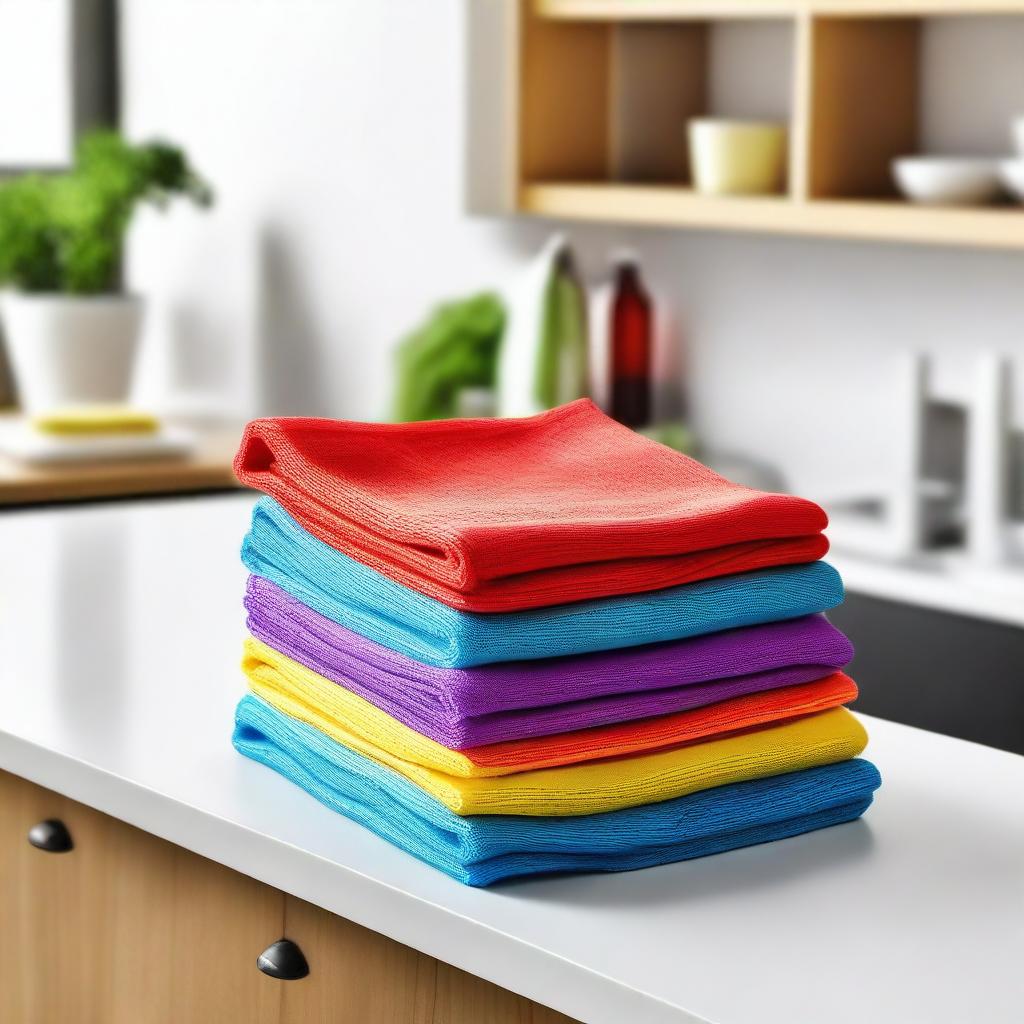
(731,158)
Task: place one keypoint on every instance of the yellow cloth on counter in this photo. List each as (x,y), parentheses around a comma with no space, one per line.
(96,419)
(587,788)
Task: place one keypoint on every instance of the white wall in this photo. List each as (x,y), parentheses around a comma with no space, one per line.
(35,39)
(333,132)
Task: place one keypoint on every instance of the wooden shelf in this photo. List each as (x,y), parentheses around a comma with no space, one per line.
(588,101)
(682,10)
(674,206)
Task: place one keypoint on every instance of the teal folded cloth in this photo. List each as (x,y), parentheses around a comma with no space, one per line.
(482,849)
(363,600)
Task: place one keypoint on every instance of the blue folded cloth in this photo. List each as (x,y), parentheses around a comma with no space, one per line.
(479,850)
(360,598)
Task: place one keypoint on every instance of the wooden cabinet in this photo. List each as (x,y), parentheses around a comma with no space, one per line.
(358,976)
(125,928)
(51,911)
(128,929)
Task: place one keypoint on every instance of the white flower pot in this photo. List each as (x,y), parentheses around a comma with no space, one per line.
(71,349)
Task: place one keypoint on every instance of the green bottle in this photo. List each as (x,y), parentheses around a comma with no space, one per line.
(562,373)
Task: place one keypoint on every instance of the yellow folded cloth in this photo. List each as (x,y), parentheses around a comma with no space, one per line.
(96,419)
(584,788)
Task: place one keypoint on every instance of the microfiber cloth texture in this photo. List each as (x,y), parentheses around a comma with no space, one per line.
(607,785)
(298,691)
(505,514)
(471,707)
(482,850)
(365,601)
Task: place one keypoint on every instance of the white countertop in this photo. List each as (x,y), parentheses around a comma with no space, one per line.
(120,629)
(940,581)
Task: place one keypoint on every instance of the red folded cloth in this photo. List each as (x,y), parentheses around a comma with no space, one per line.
(501,515)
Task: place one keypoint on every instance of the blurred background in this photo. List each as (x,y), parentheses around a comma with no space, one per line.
(790,246)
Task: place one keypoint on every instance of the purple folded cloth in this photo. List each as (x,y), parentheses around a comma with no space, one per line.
(462,708)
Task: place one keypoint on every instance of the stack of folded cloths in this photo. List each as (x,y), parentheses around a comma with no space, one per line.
(548,644)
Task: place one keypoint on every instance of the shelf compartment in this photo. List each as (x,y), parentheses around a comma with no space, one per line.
(564,96)
(603,101)
(676,207)
(871,97)
(863,103)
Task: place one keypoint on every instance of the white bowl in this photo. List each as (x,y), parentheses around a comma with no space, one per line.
(947,181)
(1011,173)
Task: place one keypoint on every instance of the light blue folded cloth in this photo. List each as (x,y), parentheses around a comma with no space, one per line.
(363,600)
(482,849)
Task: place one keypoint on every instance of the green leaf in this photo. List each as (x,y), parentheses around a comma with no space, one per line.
(65,232)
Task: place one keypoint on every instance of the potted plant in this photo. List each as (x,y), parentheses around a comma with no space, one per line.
(71,331)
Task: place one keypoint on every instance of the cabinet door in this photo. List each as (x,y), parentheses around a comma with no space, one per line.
(125,928)
(357,976)
(52,908)
(221,921)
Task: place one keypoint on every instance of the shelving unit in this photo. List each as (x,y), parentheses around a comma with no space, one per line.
(590,101)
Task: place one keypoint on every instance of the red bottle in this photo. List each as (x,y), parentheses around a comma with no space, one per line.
(631,331)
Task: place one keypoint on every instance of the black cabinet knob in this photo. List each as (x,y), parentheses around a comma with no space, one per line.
(283,960)
(52,836)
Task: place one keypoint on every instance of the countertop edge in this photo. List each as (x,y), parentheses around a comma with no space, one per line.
(476,948)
